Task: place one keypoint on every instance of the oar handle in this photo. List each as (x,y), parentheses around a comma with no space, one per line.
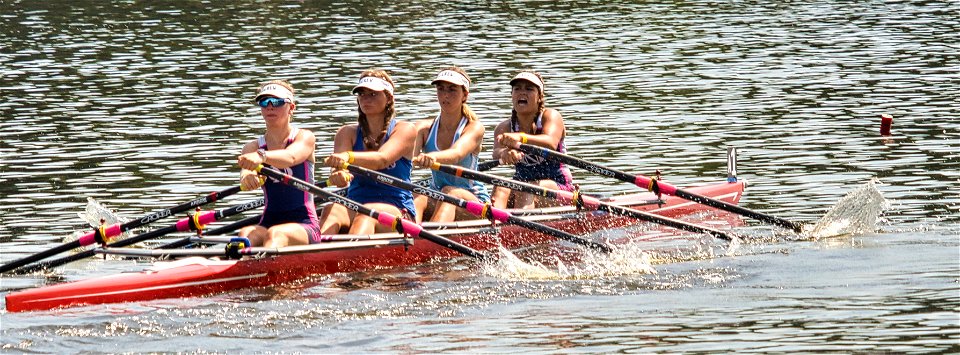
(655,185)
(405,226)
(479,209)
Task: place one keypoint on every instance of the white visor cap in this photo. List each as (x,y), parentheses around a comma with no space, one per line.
(274,90)
(528,76)
(452,77)
(373,83)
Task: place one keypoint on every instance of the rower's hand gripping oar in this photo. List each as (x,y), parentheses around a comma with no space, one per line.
(476,208)
(572,198)
(655,185)
(483,166)
(104,233)
(404,226)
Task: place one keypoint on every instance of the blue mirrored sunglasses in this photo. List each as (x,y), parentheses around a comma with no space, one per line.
(271,101)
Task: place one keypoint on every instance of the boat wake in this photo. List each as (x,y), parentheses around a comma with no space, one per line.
(627,259)
(856,213)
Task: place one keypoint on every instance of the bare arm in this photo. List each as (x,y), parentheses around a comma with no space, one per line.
(499,149)
(553,132)
(399,145)
(423,129)
(248,177)
(297,152)
(470,142)
(502,151)
(342,142)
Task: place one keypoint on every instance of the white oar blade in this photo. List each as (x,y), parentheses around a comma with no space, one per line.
(93,214)
(96,212)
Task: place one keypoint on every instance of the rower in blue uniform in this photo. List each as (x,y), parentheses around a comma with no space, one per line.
(379,142)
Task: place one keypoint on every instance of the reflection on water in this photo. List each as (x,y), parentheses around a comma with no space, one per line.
(142,106)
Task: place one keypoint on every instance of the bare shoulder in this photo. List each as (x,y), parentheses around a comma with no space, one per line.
(424,123)
(550,113)
(404,125)
(348,129)
(306,133)
(475,126)
(502,126)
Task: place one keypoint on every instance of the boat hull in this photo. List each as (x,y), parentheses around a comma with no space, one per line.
(199,276)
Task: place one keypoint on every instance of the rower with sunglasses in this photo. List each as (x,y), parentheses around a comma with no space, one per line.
(289,215)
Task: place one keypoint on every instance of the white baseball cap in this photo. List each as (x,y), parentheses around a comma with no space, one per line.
(528,76)
(373,83)
(452,77)
(274,90)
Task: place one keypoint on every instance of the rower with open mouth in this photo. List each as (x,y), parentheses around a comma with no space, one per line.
(531,122)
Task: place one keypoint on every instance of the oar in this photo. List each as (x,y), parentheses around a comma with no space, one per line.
(194,222)
(487,165)
(655,185)
(479,209)
(483,166)
(229,228)
(235,225)
(104,233)
(401,225)
(576,198)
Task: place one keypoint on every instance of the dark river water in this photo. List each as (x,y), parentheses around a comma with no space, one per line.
(144,105)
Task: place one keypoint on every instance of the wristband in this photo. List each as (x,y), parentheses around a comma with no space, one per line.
(523,138)
(350,158)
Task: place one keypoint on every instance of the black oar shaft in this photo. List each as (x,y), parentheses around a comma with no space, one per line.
(618,210)
(86,253)
(121,228)
(668,189)
(179,226)
(407,225)
(459,202)
(487,165)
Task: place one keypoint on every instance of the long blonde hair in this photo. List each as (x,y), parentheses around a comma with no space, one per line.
(542,104)
(390,112)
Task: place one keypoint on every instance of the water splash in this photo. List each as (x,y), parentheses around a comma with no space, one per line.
(626,259)
(856,213)
(508,266)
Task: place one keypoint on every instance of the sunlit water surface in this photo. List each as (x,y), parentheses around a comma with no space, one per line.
(141,106)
